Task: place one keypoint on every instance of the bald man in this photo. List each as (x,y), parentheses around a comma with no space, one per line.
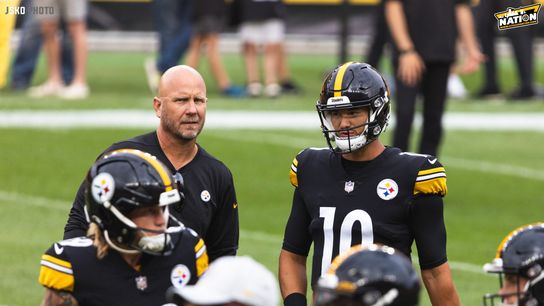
(210,205)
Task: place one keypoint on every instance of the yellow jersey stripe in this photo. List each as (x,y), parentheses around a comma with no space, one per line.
(432,186)
(54,279)
(433,170)
(199,245)
(165,176)
(339,78)
(293,178)
(202,263)
(56,261)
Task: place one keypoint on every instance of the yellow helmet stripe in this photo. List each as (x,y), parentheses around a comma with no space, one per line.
(165,176)
(339,78)
(506,239)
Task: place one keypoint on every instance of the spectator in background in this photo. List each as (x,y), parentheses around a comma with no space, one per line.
(262,26)
(74,13)
(230,280)
(26,56)
(522,44)
(424,35)
(173,23)
(7,22)
(208,20)
(288,85)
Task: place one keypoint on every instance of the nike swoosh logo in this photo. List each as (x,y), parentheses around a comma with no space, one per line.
(58,249)
(234,205)
(432,161)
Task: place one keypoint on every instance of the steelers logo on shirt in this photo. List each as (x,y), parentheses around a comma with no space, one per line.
(180,276)
(387,189)
(205,196)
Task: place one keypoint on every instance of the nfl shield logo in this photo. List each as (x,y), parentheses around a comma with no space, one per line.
(348,187)
(141,283)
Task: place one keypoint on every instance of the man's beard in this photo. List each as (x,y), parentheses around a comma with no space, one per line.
(185,136)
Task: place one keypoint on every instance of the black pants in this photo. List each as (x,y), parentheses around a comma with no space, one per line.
(521,40)
(432,87)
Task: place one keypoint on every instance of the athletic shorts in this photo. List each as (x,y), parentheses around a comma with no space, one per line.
(69,10)
(265,32)
(208,25)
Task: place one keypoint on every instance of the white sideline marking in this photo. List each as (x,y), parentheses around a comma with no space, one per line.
(61,205)
(300,120)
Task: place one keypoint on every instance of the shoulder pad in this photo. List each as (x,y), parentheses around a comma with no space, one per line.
(301,156)
(56,268)
(431,178)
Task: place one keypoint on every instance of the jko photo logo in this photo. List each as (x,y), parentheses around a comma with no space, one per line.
(518,17)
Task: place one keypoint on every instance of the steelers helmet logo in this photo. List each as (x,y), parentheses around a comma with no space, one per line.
(180,276)
(387,189)
(205,196)
(103,187)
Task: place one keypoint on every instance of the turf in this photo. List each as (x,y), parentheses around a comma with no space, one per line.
(42,170)
(117,81)
(494,178)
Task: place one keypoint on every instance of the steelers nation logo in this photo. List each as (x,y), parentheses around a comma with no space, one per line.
(180,276)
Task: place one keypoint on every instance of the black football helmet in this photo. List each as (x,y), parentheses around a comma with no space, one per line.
(520,255)
(349,86)
(366,276)
(122,181)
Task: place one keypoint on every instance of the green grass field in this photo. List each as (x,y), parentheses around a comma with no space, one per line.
(495,178)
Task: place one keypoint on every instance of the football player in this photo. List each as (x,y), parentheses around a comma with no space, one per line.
(519,262)
(129,257)
(367,276)
(359,191)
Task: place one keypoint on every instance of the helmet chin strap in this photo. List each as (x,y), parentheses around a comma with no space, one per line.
(155,243)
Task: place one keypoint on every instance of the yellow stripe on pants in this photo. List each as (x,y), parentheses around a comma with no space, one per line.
(7,22)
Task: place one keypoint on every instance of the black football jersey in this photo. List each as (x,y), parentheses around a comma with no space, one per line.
(210,206)
(336,209)
(71,265)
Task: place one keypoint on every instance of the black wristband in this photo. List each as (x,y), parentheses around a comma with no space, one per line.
(406,51)
(295,299)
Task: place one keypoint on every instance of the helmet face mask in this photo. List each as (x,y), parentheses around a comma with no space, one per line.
(364,276)
(128,182)
(350,87)
(519,264)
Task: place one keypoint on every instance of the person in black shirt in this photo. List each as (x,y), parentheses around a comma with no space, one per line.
(130,256)
(424,35)
(211,208)
(358,191)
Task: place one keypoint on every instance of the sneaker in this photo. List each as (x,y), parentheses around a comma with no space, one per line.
(272,90)
(45,90)
(254,89)
(290,88)
(153,75)
(74,92)
(234,91)
(522,93)
(456,88)
(488,92)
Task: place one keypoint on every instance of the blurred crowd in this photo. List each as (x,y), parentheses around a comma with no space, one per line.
(190,31)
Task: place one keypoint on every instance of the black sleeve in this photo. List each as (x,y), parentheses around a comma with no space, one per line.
(223,233)
(297,237)
(427,222)
(77,223)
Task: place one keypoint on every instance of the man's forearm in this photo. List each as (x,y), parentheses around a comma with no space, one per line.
(292,273)
(440,286)
(465,27)
(396,20)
